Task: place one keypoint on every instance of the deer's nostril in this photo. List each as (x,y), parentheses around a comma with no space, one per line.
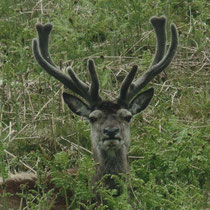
(111,131)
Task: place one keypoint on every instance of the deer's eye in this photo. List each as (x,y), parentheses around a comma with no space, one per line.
(128,118)
(92,119)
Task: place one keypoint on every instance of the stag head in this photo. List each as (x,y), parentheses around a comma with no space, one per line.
(110,120)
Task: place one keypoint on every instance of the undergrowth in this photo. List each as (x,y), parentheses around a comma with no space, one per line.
(169,155)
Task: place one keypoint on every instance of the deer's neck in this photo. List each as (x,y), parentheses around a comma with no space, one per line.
(110,162)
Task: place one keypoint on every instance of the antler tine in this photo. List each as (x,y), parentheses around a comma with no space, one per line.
(43,33)
(81,85)
(156,69)
(52,70)
(159,24)
(89,93)
(162,64)
(122,99)
(129,89)
(43,58)
(94,88)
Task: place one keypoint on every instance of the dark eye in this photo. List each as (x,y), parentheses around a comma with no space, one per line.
(92,119)
(128,118)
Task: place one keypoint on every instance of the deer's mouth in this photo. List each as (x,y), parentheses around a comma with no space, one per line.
(111,139)
(111,142)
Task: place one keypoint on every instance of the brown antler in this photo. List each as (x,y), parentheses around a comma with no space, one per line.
(41,53)
(129,89)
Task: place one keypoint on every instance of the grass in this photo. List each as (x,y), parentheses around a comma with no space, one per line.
(170,139)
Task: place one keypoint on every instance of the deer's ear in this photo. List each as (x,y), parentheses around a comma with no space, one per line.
(76,105)
(141,101)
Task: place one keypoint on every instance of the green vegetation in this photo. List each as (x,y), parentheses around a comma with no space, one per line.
(170,139)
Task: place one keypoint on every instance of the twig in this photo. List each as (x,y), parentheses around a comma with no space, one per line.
(172,98)
(143,38)
(77,146)
(131,187)
(135,157)
(28,167)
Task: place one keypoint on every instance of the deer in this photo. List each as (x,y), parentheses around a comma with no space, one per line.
(109,120)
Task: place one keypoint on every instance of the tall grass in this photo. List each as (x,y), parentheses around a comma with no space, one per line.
(170,139)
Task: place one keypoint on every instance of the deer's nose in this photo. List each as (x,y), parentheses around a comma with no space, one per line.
(111,132)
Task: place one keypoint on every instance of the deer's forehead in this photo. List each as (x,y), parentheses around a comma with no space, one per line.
(105,114)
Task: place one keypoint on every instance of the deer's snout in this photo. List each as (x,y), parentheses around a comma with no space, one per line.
(111,132)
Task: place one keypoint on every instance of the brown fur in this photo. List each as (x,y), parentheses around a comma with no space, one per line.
(107,106)
(22,183)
